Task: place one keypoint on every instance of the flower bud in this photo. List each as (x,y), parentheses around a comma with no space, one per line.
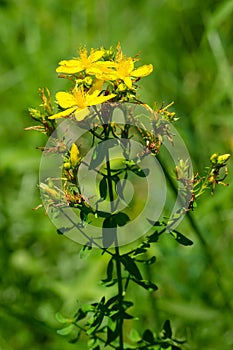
(74,155)
(214,158)
(67,165)
(223,159)
(121,87)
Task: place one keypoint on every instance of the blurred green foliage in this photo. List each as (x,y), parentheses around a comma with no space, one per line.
(190,45)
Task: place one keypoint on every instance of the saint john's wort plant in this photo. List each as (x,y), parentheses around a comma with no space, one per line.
(102,112)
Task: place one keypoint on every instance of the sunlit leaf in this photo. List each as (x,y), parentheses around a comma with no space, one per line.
(60,318)
(67,330)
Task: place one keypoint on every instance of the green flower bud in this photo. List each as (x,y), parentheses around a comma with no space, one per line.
(214,158)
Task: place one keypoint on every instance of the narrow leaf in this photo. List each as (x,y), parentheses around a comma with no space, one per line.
(112,335)
(181,238)
(139,172)
(167,329)
(103,188)
(150,286)
(131,266)
(60,318)
(154,237)
(98,155)
(67,330)
(109,271)
(63,230)
(119,187)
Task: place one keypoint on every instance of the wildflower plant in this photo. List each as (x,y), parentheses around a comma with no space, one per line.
(103,183)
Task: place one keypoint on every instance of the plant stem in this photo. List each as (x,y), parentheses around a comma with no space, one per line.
(117,257)
(120,295)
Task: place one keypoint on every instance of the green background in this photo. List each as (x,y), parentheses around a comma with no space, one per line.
(190,46)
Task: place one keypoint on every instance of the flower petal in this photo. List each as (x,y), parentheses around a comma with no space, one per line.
(65,99)
(69,66)
(81,114)
(64,113)
(95,55)
(142,71)
(95,100)
(128,82)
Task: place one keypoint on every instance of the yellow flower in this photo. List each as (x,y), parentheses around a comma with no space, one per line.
(74,155)
(77,101)
(84,62)
(125,71)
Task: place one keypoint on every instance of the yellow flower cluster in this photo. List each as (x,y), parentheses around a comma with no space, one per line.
(99,77)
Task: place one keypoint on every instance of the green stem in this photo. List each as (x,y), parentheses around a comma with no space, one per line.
(117,256)
(120,296)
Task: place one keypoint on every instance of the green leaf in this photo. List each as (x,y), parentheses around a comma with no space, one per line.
(98,155)
(127,304)
(60,318)
(156,223)
(85,251)
(96,323)
(174,347)
(150,286)
(167,329)
(109,231)
(111,301)
(103,188)
(67,330)
(63,230)
(139,172)
(131,267)
(139,251)
(109,271)
(149,261)
(84,211)
(80,315)
(118,187)
(76,339)
(181,238)
(148,336)
(112,335)
(127,316)
(154,237)
(134,335)
(121,219)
